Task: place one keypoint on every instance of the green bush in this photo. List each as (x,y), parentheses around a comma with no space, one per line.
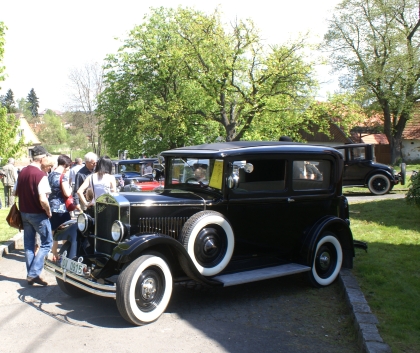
(413,193)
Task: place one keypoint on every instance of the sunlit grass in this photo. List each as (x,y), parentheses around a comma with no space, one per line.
(388,273)
(6,232)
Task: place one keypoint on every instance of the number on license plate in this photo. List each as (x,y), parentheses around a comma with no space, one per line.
(73,266)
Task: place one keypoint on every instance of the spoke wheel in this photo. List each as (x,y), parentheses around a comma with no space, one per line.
(379,184)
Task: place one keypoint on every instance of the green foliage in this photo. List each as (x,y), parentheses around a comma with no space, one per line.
(23,107)
(33,102)
(2,41)
(377,46)
(8,101)
(182,78)
(9,129)
(413,193)
(52,131)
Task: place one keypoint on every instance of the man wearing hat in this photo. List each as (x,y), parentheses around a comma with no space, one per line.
(32,189)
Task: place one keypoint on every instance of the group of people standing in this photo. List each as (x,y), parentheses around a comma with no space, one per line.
(42,188)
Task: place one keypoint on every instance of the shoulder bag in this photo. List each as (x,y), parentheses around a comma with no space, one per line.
(14,218)
(69,201)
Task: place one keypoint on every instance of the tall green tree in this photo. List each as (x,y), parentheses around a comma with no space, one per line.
(33,101)
(376,45)
(10,141)
(183,78)
(2,41)
(8,101)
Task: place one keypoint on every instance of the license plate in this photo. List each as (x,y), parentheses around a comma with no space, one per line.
(73,266)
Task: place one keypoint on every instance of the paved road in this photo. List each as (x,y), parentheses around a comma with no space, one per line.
(367,196)
(284,315)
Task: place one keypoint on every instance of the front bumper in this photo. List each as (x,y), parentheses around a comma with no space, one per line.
(89,285)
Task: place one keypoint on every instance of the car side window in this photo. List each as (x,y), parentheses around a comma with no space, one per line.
(311,175)
(267,175)
(357,153)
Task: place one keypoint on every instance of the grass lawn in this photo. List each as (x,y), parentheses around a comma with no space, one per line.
(388,273)
(6,232)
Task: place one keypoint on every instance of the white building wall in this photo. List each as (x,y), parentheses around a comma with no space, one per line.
(411,150)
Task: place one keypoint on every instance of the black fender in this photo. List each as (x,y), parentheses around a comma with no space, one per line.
(339,227)
(130,250)
(66,231)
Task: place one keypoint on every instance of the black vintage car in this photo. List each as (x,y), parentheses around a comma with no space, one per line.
(361,169)
(258,210)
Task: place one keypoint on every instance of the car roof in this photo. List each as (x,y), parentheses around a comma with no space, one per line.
(348,145)
(223,149)
(135,161)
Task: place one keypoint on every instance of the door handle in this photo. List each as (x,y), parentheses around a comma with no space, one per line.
(290,200)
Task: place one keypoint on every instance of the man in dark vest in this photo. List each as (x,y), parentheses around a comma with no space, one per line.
(33,189)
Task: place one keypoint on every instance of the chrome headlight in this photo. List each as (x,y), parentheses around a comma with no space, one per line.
(84,221)
(117,231)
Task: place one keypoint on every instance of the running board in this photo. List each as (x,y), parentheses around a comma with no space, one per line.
(260,274)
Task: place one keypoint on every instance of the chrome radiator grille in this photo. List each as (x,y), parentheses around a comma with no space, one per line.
(171,226)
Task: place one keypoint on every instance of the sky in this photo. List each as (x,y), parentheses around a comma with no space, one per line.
(48,38)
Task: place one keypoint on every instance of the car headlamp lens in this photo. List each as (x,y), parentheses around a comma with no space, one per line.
(117,231)
(82,222)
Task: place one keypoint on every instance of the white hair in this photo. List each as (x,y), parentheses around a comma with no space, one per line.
(11,160)
(90,156)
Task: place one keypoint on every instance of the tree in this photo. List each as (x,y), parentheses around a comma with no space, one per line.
(85,85)
(10,144)
(52,131)
(376,43)
(181,78)
(33,101)
(2,42)
(8,101)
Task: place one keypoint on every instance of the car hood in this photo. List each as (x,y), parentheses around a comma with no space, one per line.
(166,197)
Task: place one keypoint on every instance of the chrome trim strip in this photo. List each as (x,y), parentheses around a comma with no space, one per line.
(103,290)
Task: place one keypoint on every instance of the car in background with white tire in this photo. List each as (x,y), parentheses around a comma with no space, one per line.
(228,213)
(362,170)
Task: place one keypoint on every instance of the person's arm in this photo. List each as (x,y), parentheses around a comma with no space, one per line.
(65,186)
(44,189)
(78,182)
(113,184)
(81,191)
(43,199)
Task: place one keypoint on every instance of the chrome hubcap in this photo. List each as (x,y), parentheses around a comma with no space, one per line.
(209,245)
(324,260)
(148,289)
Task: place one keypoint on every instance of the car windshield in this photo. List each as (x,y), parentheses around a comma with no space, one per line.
(196,172)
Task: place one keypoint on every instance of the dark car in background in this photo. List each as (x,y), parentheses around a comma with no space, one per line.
(131,172)
(255,211)
(361,169)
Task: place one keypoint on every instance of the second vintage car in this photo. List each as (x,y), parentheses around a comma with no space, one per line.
(229,213)
(361,169)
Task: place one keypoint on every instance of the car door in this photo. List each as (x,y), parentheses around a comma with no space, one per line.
(269,212)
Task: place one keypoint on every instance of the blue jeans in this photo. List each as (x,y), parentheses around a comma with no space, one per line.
(36,223)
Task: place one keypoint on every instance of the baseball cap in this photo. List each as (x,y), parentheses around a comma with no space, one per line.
(39,151)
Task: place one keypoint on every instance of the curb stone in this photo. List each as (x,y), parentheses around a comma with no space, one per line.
(364,321)
(15,243)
